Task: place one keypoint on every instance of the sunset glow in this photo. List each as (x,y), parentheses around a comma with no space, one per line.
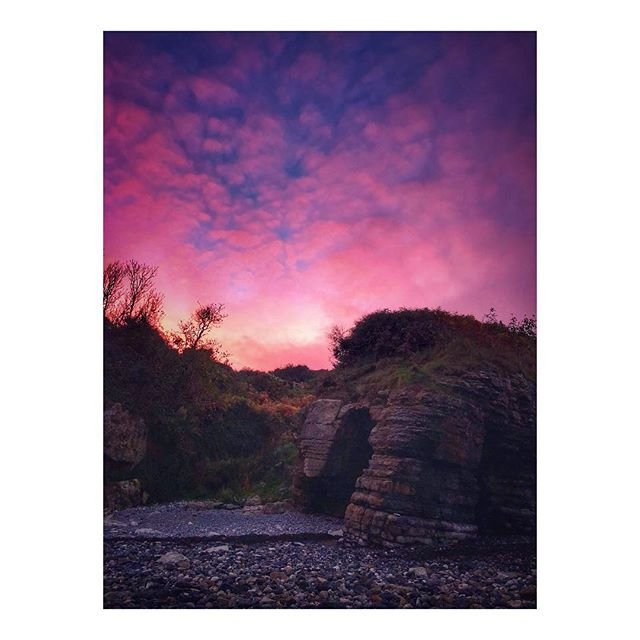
(304,180)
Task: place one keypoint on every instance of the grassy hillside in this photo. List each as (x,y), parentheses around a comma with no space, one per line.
(389,350)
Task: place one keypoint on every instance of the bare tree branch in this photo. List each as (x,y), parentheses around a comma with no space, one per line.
(129,293)
(112,284)
(192,332)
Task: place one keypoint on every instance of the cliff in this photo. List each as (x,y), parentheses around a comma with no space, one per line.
(445,451)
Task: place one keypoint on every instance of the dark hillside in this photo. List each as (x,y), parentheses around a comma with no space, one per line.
(211,431)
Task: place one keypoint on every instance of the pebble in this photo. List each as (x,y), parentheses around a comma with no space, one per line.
(181,519)
(314,574)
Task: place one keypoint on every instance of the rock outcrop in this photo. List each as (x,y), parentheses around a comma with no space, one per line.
(424,464)
(125,446)
(123,494)
(335,450)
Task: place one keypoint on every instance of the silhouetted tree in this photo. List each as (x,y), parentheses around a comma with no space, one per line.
(491,317)
(193,332)
(336,336)
(294,373)
(525,327)
(112,289)
(141,300)
(129,294)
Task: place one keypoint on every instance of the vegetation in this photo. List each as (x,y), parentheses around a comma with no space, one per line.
(297,374)
(210,429)
(129,294)
(192,333)
(216,432)
(393,349)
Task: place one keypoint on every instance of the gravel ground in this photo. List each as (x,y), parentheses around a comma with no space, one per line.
(193,520)
(316,574)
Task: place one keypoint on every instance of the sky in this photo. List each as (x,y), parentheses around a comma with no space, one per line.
(306,179)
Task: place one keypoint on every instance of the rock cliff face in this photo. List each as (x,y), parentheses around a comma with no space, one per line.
(423,464)
(125,445)
(335,450)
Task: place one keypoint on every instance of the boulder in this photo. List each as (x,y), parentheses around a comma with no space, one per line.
(277,507)
(125,441)
(123,494)
(175,559)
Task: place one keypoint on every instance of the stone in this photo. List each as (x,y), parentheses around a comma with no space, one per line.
(125,439)
(217,549)
(278,575)
(146,531)
(528,593)
(276,507)
(123,494)
(253,501)
(252,509)
(124,446)
(418,572)
(173,558)
(205,505)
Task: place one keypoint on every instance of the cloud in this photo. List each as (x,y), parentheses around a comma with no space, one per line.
(307,180)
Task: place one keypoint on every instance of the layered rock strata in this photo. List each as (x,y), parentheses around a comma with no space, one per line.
(443,463)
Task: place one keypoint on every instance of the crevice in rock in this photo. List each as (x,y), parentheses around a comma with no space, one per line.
(348,456)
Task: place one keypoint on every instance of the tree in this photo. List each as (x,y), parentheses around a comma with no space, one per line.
(112,285)
(337,336)
(193,332)
(129,294)
(525,327)
(293,373)
(491,317)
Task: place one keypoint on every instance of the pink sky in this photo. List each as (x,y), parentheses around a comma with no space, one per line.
(304,180)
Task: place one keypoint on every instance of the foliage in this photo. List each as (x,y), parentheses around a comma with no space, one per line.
(388,333)
(265,383)
(404,333)
(298,373)
(193,332)
(209,427)
(396,349)
(525,327)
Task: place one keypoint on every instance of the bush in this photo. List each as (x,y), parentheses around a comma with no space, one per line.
(389,333)
(294,373)
(404,333)
(208,426)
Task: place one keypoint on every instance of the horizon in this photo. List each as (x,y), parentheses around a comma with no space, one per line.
(305,180)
